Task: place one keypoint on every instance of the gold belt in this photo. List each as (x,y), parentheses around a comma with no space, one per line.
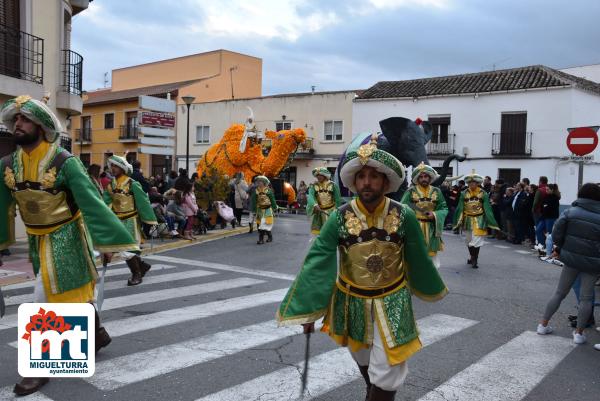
(126,215)
(370,292)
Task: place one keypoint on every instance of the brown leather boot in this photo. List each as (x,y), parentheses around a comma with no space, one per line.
(145,266)
(102,337)
(364,371)
(29,385)
(261,237)
(470,260)
(136,271)
(377,394)
(475,257)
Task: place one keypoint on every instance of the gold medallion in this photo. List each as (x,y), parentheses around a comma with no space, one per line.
(374,263)
(32,207)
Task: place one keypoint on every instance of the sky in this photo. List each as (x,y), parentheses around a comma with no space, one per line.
(340,44)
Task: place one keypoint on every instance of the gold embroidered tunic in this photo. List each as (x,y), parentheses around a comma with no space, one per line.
(382,261)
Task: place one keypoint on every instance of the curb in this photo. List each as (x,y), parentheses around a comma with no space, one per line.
(184,243)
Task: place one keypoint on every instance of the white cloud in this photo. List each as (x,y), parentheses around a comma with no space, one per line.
(264,18)
(392,4)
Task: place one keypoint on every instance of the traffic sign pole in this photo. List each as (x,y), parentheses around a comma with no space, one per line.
(582,141)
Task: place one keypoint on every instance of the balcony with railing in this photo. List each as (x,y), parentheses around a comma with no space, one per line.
(84,135)
(441,148)
(128,133)
(511,144)
(306,146)
(68,97)
(21,56)
(71,71)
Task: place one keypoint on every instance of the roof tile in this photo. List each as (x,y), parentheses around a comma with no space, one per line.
(531,77)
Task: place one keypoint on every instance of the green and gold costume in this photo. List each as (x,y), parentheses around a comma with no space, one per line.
(64,216)
(383,260)
(428,199)
(327,196)
(474,212)
(130,203)
(264,202)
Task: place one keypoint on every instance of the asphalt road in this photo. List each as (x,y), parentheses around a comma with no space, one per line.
(202,327)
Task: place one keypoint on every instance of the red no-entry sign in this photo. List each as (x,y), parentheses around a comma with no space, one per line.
(582,140)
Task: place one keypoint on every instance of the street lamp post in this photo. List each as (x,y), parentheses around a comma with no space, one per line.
(188,100)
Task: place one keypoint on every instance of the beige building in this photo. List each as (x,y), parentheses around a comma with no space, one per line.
(109,121)
(325,116)
(36,57)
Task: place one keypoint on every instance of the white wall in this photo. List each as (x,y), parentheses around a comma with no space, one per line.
(474,119)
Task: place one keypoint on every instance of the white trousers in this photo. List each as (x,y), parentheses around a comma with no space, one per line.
(126,255)
(383,375)
(436,260)
(474,240)
(39,293)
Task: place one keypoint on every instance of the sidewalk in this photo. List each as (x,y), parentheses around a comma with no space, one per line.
(16,267)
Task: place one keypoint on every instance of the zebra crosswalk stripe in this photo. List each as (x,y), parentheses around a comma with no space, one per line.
(118,372)
(10,321)
(134,324)
(109,273)
(114,285)
(219,266)
(328,370)
(508,373)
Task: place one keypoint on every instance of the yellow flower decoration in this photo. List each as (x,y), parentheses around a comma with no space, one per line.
(226,157)
(49,178)
(9,178)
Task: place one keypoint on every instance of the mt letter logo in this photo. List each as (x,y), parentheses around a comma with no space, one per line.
(56,340)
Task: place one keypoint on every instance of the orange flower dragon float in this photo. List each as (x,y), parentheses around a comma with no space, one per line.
(241,149)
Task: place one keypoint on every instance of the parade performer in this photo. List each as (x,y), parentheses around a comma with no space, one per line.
(323,198)
(63,213)
(263,203)
(130,203)
(366,301)
(429,205)
(474,214)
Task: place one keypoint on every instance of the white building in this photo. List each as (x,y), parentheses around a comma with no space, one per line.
(510,123)
(591,72)
(325,116)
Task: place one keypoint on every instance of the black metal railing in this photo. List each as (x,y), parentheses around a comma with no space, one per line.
(306,146)
(441,148)
(66,143)
(511,143)
(72,67)
(128,132)
(84,135)
(21,55)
